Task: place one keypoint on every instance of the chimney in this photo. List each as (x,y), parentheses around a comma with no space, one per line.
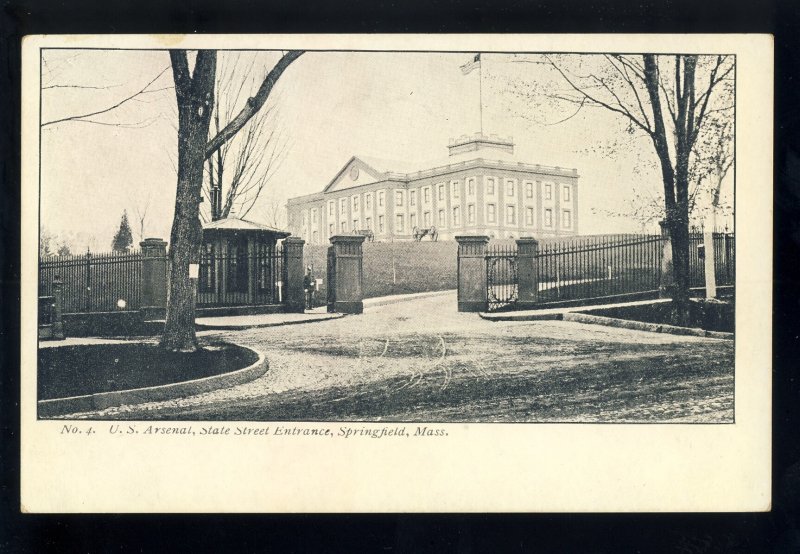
(216,202)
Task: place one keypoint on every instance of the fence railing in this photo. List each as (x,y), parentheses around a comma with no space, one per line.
(94,282)
(724,258)
(599,267)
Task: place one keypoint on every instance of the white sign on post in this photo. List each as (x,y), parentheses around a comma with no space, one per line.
(194,271)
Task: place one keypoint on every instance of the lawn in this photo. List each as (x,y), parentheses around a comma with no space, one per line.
(66,371)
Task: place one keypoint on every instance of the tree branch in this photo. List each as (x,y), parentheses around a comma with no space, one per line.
(253,104)
(591,98)
(117,105)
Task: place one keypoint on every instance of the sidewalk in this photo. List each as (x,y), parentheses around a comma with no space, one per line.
(558,313)
(81,341)
(238,322)
(583,314)
(205,324)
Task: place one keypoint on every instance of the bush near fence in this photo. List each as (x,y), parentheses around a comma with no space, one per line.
(395,267)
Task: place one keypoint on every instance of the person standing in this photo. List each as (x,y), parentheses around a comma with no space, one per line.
(308,286)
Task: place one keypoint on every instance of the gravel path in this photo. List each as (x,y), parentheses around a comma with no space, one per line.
(421,360)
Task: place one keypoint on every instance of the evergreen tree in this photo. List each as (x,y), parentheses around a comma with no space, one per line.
(123,240)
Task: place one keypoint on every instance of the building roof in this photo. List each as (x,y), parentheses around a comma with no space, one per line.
(384,165)
(467,151)
(237,224)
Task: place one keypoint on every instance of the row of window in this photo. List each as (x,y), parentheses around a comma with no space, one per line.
(510,189)
(491,217)
(455,191)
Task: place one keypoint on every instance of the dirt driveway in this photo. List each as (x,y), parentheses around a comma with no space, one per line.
(421,360)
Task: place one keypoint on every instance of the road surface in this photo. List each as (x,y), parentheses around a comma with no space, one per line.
(420,360)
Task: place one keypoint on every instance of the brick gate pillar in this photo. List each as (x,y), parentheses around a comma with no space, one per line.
(348,277)
(667,282)
(293,273)
(527,274)
(472,293)
(154,278)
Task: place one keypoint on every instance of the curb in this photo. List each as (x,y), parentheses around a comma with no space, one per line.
(642,326)
(240,327)
(102,400)
(527,317)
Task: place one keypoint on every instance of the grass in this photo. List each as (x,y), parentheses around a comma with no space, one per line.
(711,316)
(66,371)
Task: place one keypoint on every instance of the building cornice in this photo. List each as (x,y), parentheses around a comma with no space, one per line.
(488,164)
(439,171)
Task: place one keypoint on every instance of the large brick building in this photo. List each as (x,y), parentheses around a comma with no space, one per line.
(481,188)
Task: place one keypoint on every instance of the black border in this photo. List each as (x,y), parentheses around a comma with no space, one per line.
(774,532)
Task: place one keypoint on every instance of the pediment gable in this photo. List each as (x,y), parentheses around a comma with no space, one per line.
(356,172)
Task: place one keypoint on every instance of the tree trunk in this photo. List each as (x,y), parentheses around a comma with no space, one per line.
(195,97)
(679,232)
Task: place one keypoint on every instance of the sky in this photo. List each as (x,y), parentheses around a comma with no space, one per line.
(328,106)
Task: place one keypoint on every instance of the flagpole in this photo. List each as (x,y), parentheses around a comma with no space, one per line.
(480,91)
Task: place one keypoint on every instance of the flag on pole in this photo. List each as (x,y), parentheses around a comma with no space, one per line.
(471,65)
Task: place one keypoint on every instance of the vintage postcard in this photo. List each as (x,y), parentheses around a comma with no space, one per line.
(337,273)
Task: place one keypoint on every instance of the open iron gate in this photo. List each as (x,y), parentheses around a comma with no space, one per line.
(502,278)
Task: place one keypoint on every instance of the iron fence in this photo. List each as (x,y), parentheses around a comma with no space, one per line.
(598,267)
(241,276)
(94,282)
(724,258)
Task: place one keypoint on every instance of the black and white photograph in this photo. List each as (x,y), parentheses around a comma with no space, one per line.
(397,241)
(387,236)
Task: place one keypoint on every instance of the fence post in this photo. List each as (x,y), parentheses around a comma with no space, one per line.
(710,262)
(88,281)
(667,281)
(58,299)
(293,294)
(154,278)
(527,262)
(472,292)
(348,277)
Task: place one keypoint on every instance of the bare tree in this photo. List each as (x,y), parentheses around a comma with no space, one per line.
(195,95)
(273,213)
(238,172)
(51,244)
(141,205)
(670,100)
(714,162)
